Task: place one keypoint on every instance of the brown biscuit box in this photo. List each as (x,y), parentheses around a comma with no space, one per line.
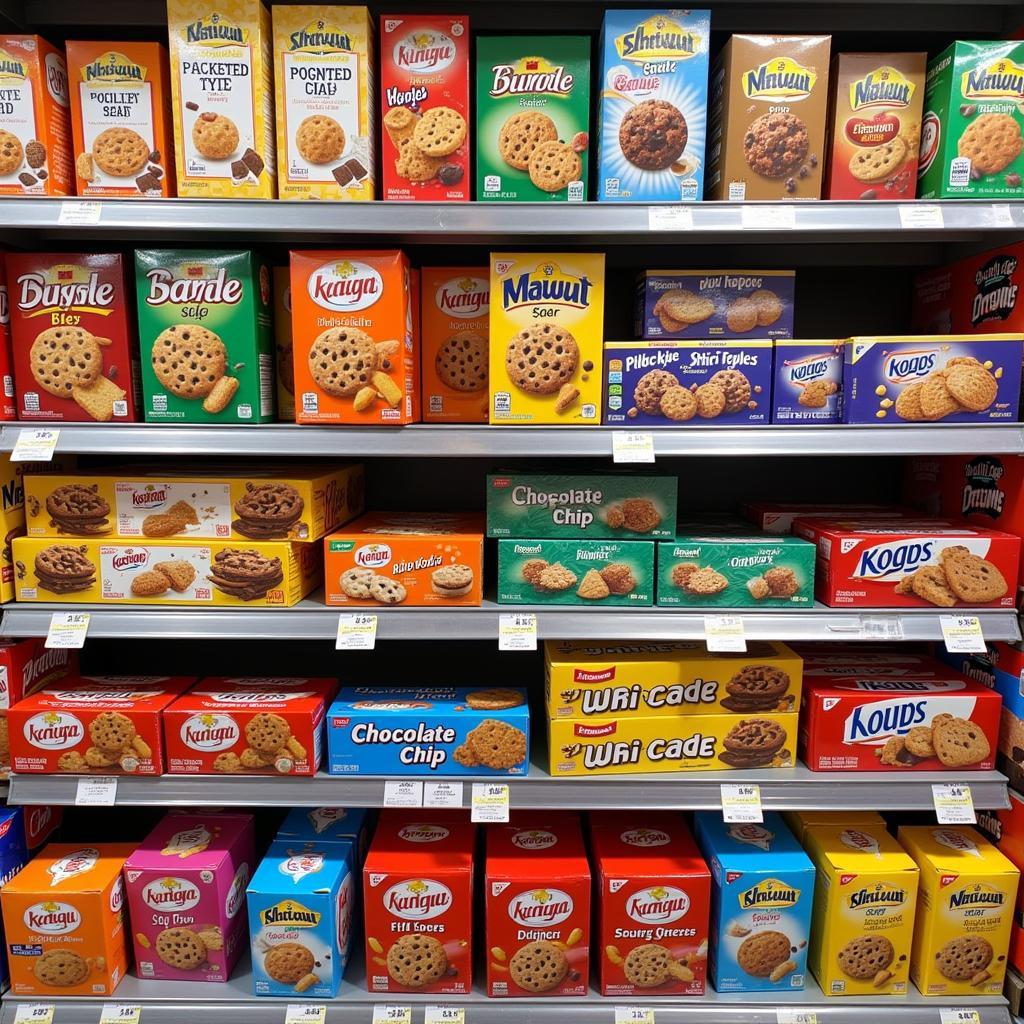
(769,97)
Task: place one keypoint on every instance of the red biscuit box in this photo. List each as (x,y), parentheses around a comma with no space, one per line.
(8,408)
(537,907)
(863,723)
(900,666)
(418,904)
(1006,829)
(653,890)
(253,726)
(104,725)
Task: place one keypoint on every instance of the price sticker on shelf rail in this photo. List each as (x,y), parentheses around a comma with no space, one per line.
(444,1015)
(962,634)
(305,1013)
(958,1015)
(390,1013)
(724,633)
(920,215)
(768,215)
(878,627)
(120,1013)
(669,218)
(35,444)
(634,1015)
(34,1013)
(741,802)
(77,211)
(953,803)
(490,802)
(98,791)
(403,793)
(67,630)
(442,794)
(787,1015)
(356,632)
(517,632)
(630,446)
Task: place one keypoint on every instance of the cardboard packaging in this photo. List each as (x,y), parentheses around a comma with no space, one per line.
(808,382)
(12,522)
(1005,828)
(777,517)
(328,825)
(902,666)
(284,367)
(8,406)
(14,856)
(800,821)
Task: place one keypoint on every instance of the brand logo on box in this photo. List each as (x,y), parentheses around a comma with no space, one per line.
(779,79)
(236,893)
(423,51)
(769,893)
(465,298)
(74,864)
(534,839)
(979,895)
(645,837)
(10,67)
(545,285)
(193,284)
(117,895)
(54,730)
(860,841)
(803,371)
(418,900)
(899,367)
(373,556)
(42,664)
(582,675)
(751,834)
(320,37)
(129,559)
(883,87)
(874,723)
(170,893)
(345,287)
(113,67)
(216,30)
(660,904)
(64,288)
(422,833)
(879,895)
(531,75)
(149,497)
(954,840)
(51,918)
(996,297)
(658,38)
(289,914)
(545,907)
(1001,78)
(298,865)
(896,556)
(209,732)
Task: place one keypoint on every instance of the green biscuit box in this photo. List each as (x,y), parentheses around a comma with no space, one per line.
(207,348)
(973,114)
(582,572)
(621,507)
(532,117)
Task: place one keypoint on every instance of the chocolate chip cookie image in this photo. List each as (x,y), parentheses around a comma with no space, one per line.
(761,953)
(78,509)
(267,511)
(538,967)
(962,958)
(652,135)
(416,961)
(245,573)
(863,957)
(63,569)
(752,743)
(756,688)
(541,358)
(181,948)
(776,144)
(521,134)
(61,968)
(648,966)
(65,358)
(289,962)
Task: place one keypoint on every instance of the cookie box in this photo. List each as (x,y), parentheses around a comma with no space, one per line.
(630,745)
(328,825)
(726,304)
(81,373)
(862,926)
(294,502)
(250,726)
(595,680)
(546,333)
(185,887)
(777,517)
(409,559)
(418,903)
(121,119)
(735,571)
(900,666)
(240,573)
(808,382)
(12,522)
(14,856)
(8,408)
(583,572)
(1005,828)
(64,921)
(800,821)
(653,105)
(653,893)
(100,725)
(619,506)
(962,929)
(537,907)
(665,383)
(284,366)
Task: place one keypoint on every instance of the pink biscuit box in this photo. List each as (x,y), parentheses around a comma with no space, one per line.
(186,896)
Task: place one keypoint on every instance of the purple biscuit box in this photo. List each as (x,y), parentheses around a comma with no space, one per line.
(808,382)
(730,304)
(899,379)
(638,373)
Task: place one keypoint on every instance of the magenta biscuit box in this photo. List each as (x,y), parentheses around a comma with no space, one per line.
(186,896)
(808,382)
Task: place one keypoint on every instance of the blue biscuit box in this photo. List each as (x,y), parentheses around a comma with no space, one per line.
(384,730)
(761,895)
(302,894)
(328,825)
(808,382)
(653,113)
(639,373)
(13,857)
(952,378)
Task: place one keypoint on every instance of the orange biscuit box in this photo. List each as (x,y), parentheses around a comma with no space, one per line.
(408,559)
(64,921)
(353,344)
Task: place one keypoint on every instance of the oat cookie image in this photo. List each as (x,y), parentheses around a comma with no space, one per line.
(971,385)
(228,762)
(863,957)
(96,758)
(497,744)
(682,572)
(150,584)
(919,741)
(684,306)
(494,698)
(930,583)
(556,577)
(781,582)
(593,587)
(180,574)
(120,152)
(653,135)
(553,165)
(215,136)
(539,966)
(532,570)
(769,306)
(991,142)
(958,742)
(760,953)
(618,578)
(972,579)
(320,139)
(735,386)
(741,315)
(678,404)
(710,401)
(288,962)
(875,163)
(400,124)
(416,960)
(705,582)
(414,164)
(936,401)
(908,402)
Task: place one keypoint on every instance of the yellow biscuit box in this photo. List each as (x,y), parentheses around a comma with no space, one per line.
(547,338)
(12,521)
(865,892)
(964,911)
(800,821)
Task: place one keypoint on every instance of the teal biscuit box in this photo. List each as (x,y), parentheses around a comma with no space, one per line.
(302,895)
(328,825)
(761,894)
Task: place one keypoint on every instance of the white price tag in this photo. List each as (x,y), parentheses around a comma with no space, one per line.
(67,629)
(35,444)
(391,1014)
(77,211)
(403,793)
(444,1015)
(517,632)
(490,802)
(741,802)
(442,794)
(305,1013)
(634,1015)
(920,215)
(958,1015)
(120,1013)
(724,633)
(669,218)
(787,1015)
(876,627)
(768,216)
(99,791)
(628,446)
(1001,216)
(34,1013)
(953,803)
(962,634)
(356,632)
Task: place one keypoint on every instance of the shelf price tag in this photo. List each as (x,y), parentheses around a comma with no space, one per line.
(768,216)
(403,793)
(100,791)
(389,1013)
(958,1015)
(787,1015)
(953,803)
(490,802)
(634,1015)
(724,633)
(669,218)
(76,211)
(67,629)
(962,634)
(875,627)
(444,1015)
(120,1013)
(1001,215)
(305,1013)
(517,632)
(34,1013)
(35,444)
(629,446)
(356,632)
(442,794)
(741,803)
(920,215)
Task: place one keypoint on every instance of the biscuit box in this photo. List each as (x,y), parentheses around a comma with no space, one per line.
(595,680)
(424,97)
(436,731)
(767,118)
(629,745)
(37,160)
(956,378)
(221,84)
(185,886)
(12,522)
(301,902)
(121,119)
(13,857)
(252,726)
(1005,828)
(290,502)
(204,327)
(532,118)
(971,133)
(613,505)
(967,897)
(454,315)
(653,893)
(64,921)
(735,571)
(653,105)
(418,904)
(537,908)
(874,115)
(324,80)
(354,353)
(663,383)
(777,517)
(106,725)
(903,666)
(546,334)
(760,903)
(74,358)
(725,304)
(328,825)
(808,383)
(800,821)
(8,407)
(284,367)
(581,572)
(261,573)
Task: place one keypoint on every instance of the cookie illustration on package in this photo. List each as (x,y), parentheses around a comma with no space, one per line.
(416,960)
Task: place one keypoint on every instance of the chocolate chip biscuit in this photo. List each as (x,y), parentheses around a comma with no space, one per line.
(63,569)
(497,744)
(521,134)
(963,957)
(416,960)
(112,732)
(288,962)
(494,698)
(188,360)
(63,358)
(756,688)
(440,131)
(972,579)
(735,386)
(752,743)
(267,733)
(267,510)
(461,362)
(863,957)
(776,144)
(651,388)
(11,153)
(245,573)
(647,966)
(342,360)
(959,742)
(181,948)
(652,135)
(79,509)
(61,968)
(538,966)
(710,401)
(320,139)
(875,163)
(678,404)
(541,358)
(553,165)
